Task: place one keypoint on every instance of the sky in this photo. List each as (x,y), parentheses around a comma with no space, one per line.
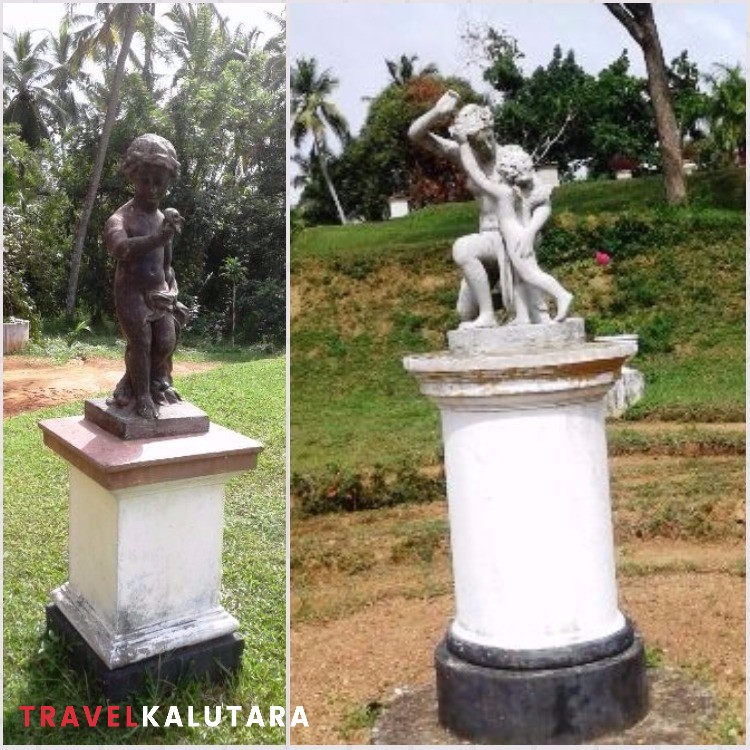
(354,38)
(32,15)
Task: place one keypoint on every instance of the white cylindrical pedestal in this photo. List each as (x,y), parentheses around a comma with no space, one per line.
(530,519)
(145,537)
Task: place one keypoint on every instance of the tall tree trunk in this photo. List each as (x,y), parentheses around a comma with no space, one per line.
(101,152)
(148,48)
(327,178)
(638,20)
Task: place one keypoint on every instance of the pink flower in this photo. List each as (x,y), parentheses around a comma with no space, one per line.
(601,258)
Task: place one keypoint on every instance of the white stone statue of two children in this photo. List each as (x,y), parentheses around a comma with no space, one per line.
(514,207)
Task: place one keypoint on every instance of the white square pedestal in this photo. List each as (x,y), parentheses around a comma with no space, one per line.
(145,537)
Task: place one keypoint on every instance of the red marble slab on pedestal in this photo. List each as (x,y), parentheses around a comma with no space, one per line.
(117,464)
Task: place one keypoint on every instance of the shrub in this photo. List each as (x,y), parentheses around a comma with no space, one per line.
(343,490)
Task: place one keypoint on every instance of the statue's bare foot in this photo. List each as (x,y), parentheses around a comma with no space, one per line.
(146,408)
(483,321)
(563,305)
(517,321)
(171,396)
(123,393)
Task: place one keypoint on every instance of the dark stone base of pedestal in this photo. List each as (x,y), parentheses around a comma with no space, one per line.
(213,660)
(567,705)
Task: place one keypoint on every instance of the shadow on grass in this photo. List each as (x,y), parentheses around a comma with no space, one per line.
(227,354)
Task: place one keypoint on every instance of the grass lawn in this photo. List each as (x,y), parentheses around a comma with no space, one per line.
(248,397)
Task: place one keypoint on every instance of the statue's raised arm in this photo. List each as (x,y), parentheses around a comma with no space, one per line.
(421,133)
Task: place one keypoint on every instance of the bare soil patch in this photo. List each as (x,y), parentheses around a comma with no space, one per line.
(30,383)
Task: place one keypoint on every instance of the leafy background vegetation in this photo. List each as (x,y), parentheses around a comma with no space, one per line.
(559,113)
(223,108)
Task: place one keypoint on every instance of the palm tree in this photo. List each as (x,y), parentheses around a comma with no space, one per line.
(98,37)
(313,114)
(727,110)
(118,22)
(27,78)
(305,166)
(148,28)
(275,47)
(403,71)
(65,72)
(200,31)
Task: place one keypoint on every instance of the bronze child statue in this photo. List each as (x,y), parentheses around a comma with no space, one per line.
(139,237)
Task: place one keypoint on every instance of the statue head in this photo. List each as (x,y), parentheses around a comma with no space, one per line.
(513,164)
(475,122)
(150,150)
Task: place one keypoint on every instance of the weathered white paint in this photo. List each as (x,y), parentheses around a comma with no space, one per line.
(548,174)
(519,337)
(531,537)
(629,387)
(145,566)
(528,491)
(628,390)
(399,207)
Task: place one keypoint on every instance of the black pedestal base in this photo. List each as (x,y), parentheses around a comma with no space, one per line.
(564,705)
(213,660)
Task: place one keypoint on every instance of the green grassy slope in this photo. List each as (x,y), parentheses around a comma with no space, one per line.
(365,295)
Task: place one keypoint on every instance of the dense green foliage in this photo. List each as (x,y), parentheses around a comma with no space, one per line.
(563,114)
(247,397)
(558,112)
(366,295)
(225,114)
(381,161)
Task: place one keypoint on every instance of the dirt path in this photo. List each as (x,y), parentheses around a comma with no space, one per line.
(30,384)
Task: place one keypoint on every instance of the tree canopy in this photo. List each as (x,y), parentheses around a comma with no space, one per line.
(381,162)
(225,114)
(559,113)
